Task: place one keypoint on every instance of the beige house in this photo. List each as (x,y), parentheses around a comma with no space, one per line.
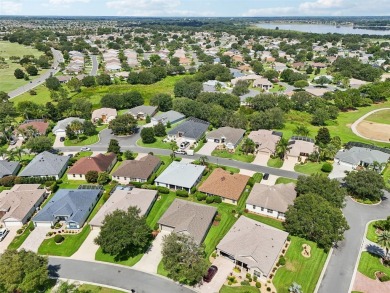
(303,146)
(265,140)
(105,114)
(263,83)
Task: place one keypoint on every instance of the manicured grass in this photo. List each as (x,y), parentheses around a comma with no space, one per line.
(8,81)
(19,239)
(277,88)
(41,98)
(380,117)
(82,141)
(97,289)
(275,163)
(161,270)
(371,234)
(265,220)
(309,168)
(109,258)
(68,247)
(304,271)
(238,289)
(158,144)
(71,184)
(80,155)
(369,264)
(386,175)
(159,208)
(166,161)
(238,155)
(283,180)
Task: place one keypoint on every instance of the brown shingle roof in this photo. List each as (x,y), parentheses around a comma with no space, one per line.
(98,163)
(40,126)
(141,169)
(224,184)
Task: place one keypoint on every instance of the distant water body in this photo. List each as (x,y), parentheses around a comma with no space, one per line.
(322,28)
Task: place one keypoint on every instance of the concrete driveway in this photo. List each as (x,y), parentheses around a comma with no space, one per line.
(261,159)
(270,181)
(57,142)
(208,148)
(225,267)
(35,239)
(88,249)
(289,163)
(8,239)
(149,262)
(339,171)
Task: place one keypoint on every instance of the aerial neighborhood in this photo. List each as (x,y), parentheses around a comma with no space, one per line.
(209,156)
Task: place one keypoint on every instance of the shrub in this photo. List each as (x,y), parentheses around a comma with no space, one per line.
(58,238)
(49,234)
(327,167)
(193,190)
(19,231)
(288,238)
(230,283)
(137,184)
(248,275)
(217,199)
(269,289)
(384,278)
(214,254)
(251,182)
(282,261)
(217,218)
(163,190)
(200,196)
(8,181)
(149,186)
(245,283)
(32,228)
(210,199)
(258,285)
(254,278)
(181,193)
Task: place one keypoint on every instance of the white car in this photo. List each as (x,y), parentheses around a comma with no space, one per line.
(85,149)
(3,233)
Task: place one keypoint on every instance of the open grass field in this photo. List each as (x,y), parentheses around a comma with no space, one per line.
(239,289)
(304,271)
(8,82)
(41,98)
(369,264)
(386,175)
(380,117)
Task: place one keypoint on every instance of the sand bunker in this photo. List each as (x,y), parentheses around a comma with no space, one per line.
(374,130)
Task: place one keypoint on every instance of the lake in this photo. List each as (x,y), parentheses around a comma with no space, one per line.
(322,28)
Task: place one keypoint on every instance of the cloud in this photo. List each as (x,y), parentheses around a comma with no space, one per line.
(65,2)
(10,7)
(271,11)
(321,4)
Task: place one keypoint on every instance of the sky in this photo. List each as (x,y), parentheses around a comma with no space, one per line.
(186,8)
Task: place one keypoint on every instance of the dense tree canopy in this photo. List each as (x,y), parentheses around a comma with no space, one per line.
(365,184)
(39,144)
(162,101)
(122,101)
(123,125)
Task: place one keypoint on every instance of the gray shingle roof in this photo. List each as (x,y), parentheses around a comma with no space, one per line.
(192,128)
(357,154)
(146,110)
(8,168)
(181,174)
(171,116)
(45,164)
(188,217)
(256,244)
(62,124)
(231,135)
(76,204)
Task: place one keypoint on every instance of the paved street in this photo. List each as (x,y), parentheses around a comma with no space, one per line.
(113,275)
(340,270)
(95,65)
(57,59)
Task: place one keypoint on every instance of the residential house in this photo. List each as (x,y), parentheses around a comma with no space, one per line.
(123,198)
(263,83)
(188,218)
(253,246)
(46,164)
(60,128)
(137,170)
(271,201)
(99,163)
(228,136)
(265,140)
(8,168)
(191,130)
(19,203)
(317,91)
(33,128)
(301,146)
(141,112)
(180,176)
(225,185)
(71,206)
(356,83)
(104,114)
(164,117)
(361,156)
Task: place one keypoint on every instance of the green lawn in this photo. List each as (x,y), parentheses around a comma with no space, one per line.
(41,98)
(386,176)
(161,270)
(238,289)
(82,141)
(98,289)
(80,155)
(380,117)
(304,271)
(283,180)
(309,168)
(68,247)
(71,184)
(265,220)
(158,144)
(369,264)
(371,234)
(19,239)
(276,88)
(238,155)
(100,256)
(275,163)
(159,208)
(8,82)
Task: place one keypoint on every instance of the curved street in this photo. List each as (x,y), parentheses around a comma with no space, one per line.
(95,65)
(112,275)
(355,124)
(57,59)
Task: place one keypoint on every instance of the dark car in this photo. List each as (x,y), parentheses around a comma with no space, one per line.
(265,177)
(210,274)
(62,138)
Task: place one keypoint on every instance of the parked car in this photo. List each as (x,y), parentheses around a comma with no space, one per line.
(210,274)
(180,152)
(3,233)
(85,149)
(184,144)
(70,155)
(265,176)
(12,142)
(62,138)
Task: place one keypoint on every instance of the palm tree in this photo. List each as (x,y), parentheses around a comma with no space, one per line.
(76,126)
(301,130)
(384,240)
(203,160)
(282,147)
(17,152)
(295,288)
(248,146)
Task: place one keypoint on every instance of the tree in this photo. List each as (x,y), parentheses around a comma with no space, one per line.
(384,241)
(92,176)
(124,234)
(4,97)
(159,130)
(74,84)
(18,73)
(103,79)
(114,147)
(123,125)
(162,101)
(147,135)
(301,130)
(248,146)
(282,147)
(89,128)
(52,83)
(203,160)
(321,185)
(32,70)
(88,81)
(76,126)
(103,178)
(271,74)
(323,136)
(39,144)
(17,153)
(301,84)
(365,184)
(23,271)
(183,258)
(312,217)
(320,116)
(129,155)
(322,80)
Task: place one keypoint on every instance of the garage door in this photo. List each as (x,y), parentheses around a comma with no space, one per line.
(13,224)
(42,224)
